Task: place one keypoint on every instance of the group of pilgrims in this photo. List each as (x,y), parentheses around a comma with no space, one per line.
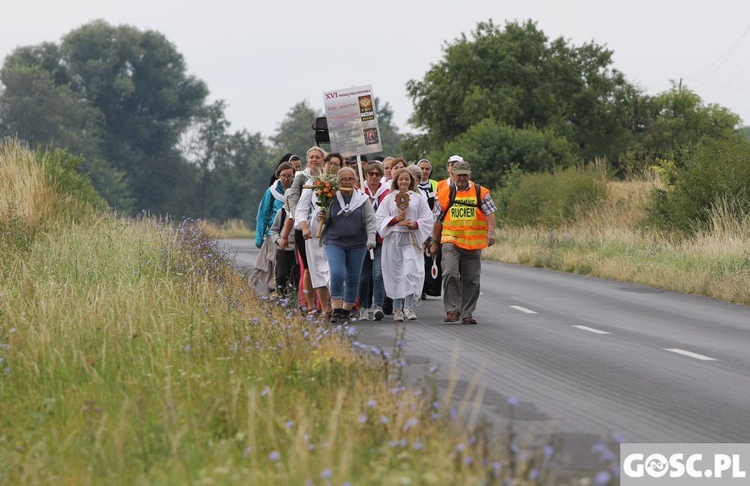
(371,255)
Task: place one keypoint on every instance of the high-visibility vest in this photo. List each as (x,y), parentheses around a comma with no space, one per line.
(465,224)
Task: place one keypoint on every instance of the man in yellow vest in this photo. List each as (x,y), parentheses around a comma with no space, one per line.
(451,179)
(464,225)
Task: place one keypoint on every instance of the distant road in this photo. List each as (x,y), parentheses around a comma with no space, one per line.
(586,357)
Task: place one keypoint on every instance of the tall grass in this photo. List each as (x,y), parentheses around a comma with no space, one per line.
(611,242)
(131,352)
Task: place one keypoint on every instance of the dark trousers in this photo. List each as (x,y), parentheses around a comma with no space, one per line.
(286,271)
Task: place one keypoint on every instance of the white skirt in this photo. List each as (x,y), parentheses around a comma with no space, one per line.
(317,263)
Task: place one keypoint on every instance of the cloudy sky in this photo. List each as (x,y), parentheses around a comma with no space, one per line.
(264,56)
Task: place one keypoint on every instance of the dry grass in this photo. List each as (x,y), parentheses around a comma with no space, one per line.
(232,229)
(611,243)
(25,197)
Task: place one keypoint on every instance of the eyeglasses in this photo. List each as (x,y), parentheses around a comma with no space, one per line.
(347,179)
(374,174)
(286,176)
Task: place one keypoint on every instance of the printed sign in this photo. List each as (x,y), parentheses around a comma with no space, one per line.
(352,121)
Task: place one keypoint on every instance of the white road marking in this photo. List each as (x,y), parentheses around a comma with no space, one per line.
(522,309)
(690,354)
(591,329)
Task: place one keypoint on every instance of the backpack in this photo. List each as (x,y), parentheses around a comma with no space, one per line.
(452,200)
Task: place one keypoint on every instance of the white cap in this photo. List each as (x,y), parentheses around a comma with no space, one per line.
(455,158)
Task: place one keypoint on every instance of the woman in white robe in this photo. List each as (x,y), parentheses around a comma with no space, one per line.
(317,260)
(404,231)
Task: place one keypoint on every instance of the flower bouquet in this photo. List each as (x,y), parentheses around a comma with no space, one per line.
(324,189)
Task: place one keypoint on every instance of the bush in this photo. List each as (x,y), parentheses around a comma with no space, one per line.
(553,199)
(493,149)
(713,172)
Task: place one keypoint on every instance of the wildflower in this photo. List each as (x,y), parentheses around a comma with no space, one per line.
(289,424)
(412,422)
(512,401)
(533,474)
(326,473)
(247,451)
(418,445)
(547,451)
(265,392)
(460,447)
(371,403)
(274,456)
(383,419)
(619,438)
(187,348)
(602,478)
(362,418)
(433,369)
(254,320)
(468,460)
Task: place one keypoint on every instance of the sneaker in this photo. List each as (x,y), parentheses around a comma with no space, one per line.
(451,316)
(398,315)
(378,313)
(363,314)
(410,315)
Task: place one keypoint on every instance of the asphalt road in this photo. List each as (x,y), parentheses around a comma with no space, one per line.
(584,358)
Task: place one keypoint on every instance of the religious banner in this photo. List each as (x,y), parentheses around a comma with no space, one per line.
(352,121)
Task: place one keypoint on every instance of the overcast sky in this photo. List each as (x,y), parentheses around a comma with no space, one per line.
(264,56)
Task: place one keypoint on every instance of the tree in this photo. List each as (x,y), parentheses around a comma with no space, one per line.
(295,133)
(138,81)
(117,95)
(42,113)
(390,137)
(227,165)
(520,79)
(678,117)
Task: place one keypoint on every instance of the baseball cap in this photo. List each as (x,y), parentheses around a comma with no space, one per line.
(462,168)
(455,158)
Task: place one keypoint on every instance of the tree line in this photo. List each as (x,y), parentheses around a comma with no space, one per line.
(506,98)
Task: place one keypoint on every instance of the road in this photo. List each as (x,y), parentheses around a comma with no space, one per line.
(585,358)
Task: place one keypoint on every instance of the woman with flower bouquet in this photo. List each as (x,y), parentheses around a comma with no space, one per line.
(349,233)
(309,213)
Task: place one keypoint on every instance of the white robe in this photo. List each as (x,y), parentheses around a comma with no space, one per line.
(317,260)
(401,259)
